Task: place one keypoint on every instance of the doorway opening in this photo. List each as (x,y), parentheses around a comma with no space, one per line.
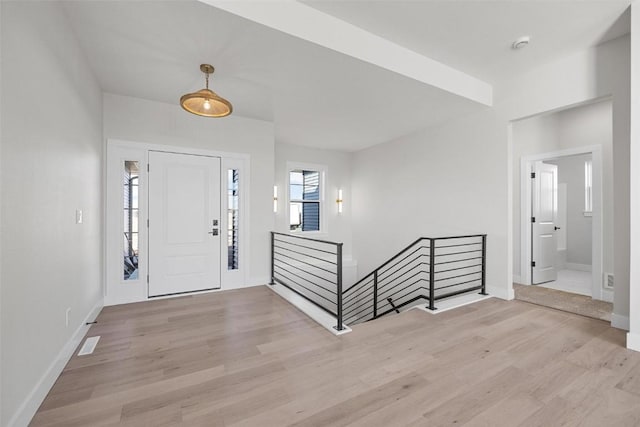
(563,215)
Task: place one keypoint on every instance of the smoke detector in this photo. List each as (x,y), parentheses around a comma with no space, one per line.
(520,43)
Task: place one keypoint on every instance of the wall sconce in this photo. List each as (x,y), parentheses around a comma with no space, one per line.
(275,198)
(339,201)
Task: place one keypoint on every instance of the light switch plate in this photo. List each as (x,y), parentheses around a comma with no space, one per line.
(78,216)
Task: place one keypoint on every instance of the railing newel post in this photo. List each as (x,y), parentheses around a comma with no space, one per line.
(483,291)
(432,273)
(375,294)
(273,259)
(339,286)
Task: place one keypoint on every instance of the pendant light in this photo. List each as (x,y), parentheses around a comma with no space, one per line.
(206,102)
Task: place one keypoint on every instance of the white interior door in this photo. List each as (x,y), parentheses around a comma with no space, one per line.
(545,211)
(184,217)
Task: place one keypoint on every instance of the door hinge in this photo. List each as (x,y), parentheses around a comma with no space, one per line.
(533,219)
(147,167)
(533,174)
(147,223)
(533,264)
(147,278)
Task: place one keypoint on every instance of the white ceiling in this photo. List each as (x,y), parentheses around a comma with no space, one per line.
(316,96)
(475,36)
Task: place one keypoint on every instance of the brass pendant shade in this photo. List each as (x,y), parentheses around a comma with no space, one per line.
(206,102)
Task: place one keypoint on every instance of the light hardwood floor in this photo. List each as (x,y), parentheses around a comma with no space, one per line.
(248,358)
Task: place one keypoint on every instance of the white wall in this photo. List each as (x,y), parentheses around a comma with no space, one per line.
(51,157)
(581,126)
(143,121)
(578,226)
(458,176)
(633,338)
(338,165)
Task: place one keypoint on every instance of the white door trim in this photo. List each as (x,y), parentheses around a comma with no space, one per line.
(526,163)
(114,291)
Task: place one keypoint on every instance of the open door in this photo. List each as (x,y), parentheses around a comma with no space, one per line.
(543,222)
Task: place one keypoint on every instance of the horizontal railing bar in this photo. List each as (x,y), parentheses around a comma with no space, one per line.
(304,287)
(380,272)
(461,244)
(359,313)
(306,272)
(306,255)
(307,263)
(401,267)
(362,292)
(358,309)
(458,253)
(406,272)
(353,308)
(400,290)
(306,247)
(458,260)
(304,296)
(307,280)
(458,268)
(451,294)
(382,291)
(307,238)
(359,285)
(460,275)
(457,237)
(457,284)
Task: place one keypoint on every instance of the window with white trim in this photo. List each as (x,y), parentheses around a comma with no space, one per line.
(588,188)
(305,199)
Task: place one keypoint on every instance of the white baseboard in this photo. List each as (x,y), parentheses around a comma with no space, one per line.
(633,341)
(607,295)
(28,408)
(620,322)
(256,281)
(578,267)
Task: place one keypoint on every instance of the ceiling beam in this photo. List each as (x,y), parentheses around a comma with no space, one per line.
(307,23)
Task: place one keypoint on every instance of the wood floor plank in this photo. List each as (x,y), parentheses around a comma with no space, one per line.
(248,358)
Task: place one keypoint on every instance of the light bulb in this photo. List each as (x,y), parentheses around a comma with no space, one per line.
(207,104)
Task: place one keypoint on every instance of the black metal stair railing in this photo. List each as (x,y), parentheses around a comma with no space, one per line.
(427,270)
(312,268)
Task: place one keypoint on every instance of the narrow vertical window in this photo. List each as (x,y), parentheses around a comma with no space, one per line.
(131,210)
(233,217)
(588,187)
(304,200)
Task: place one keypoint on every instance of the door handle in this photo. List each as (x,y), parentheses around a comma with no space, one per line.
(556,228)
(213,232)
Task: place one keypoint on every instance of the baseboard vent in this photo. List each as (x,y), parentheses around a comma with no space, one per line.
(608,281)
(89,345)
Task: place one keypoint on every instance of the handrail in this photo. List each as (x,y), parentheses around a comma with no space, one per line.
(306,238)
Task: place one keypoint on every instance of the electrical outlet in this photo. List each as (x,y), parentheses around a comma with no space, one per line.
(67,316)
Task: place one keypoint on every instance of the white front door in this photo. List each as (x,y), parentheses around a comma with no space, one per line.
(184,223)
(545,211)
